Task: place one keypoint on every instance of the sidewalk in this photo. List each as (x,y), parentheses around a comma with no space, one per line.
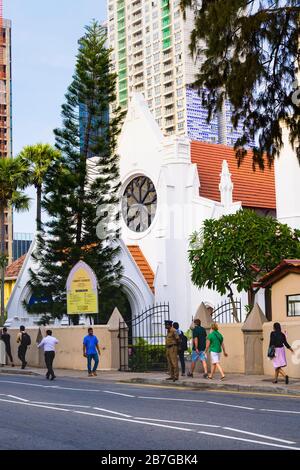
(233,382)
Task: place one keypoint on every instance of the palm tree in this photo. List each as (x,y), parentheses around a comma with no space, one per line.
(13,179)
(39,158)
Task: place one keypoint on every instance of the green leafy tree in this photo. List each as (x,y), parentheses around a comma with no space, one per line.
(238,249)
(13,179)
(250,50)
(79,190)
(39,158)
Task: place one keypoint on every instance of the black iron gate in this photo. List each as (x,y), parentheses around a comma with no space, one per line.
(142,340)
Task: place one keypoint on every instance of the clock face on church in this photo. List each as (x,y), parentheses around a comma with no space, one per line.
(139,203)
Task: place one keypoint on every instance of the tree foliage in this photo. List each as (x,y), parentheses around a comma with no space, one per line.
(38,158)
(76,185)
(250,51)
(238,249)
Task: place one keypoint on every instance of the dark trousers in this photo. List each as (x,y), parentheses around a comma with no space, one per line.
(22,355)
(182,361)
(8,352)
(49,358)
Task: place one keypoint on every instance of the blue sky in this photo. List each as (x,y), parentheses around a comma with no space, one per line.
(44,45)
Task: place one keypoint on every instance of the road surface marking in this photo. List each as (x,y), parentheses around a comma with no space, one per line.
(172,399)
(259,435)
(55,387)
(113,412)
(60,404)
(231,406)
(121,394)
(248,440)
(281,411)
(132,421)
(17,398)
(32,404)
(179,422)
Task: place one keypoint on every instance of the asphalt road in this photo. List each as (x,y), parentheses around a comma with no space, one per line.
(75,414)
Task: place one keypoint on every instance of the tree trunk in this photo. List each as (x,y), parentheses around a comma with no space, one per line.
(38,208)
(234,309)
(2,259)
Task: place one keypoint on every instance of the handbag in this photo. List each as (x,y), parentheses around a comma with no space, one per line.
(271,352)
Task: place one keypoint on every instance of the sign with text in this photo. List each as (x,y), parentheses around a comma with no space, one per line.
(82,291)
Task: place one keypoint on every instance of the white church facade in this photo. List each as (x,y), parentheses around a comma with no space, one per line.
(169,186)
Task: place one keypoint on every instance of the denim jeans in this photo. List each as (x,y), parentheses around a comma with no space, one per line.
(89,362)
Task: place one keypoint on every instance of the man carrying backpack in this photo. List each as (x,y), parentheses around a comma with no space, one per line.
(24,340)
(182,346)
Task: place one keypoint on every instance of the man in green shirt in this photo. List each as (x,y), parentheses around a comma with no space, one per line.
(199,340)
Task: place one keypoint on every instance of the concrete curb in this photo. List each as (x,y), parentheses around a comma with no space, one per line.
(215,386)
(14,371)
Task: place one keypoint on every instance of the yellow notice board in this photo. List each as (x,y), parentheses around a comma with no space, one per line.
(82,291)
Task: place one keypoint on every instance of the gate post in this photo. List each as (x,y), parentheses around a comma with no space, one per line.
(118,341)
(253,338)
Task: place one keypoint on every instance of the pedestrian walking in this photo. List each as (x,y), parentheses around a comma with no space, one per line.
(24,340)
(215,345)
(172,340)
(91,351)
(198,350)
(279,342)
(6,340)
(2,353)
(48,344)
(182,347)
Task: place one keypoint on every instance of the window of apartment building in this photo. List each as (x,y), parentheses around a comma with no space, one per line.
(180,104)
(178,58)
(180,126)
(156,68)
(155,37)
(155,25)
(178,47)
(177,36)
(157,90)
(150,103)
(180,93)
(158,122)
(156,47)
(176,14)
(180,115)
(148,29)
(148,60)
(177,26)
(148,39)
(155,14)
(150,92)
(179,81)
(157,101)
(149,71)
(147,19)
(156,57)
(148,50)
(158,112)
(149,82)
(157,79)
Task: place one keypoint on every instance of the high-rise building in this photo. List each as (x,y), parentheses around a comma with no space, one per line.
(150,41)
(6,115)
(21,244)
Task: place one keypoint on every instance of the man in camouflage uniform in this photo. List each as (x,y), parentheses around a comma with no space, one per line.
(172,341)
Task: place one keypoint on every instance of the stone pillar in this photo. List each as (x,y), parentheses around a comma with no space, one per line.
(253,341)
(119,345)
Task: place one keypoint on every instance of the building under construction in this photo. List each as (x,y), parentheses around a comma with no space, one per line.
(6,113)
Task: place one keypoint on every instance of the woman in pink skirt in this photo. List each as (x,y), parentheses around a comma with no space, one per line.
(278,340)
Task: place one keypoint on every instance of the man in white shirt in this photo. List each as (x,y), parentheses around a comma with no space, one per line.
(48,343)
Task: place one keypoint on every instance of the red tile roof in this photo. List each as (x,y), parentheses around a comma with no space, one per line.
(286,266)
(12,271)
(142,264)
(254,189)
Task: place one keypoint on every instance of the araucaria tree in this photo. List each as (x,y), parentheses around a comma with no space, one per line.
(78,187)
(251,50)
(238,249)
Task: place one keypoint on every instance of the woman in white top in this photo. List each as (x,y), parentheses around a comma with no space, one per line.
(48,343)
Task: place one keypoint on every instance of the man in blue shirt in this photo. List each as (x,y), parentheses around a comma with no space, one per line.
(90,348)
